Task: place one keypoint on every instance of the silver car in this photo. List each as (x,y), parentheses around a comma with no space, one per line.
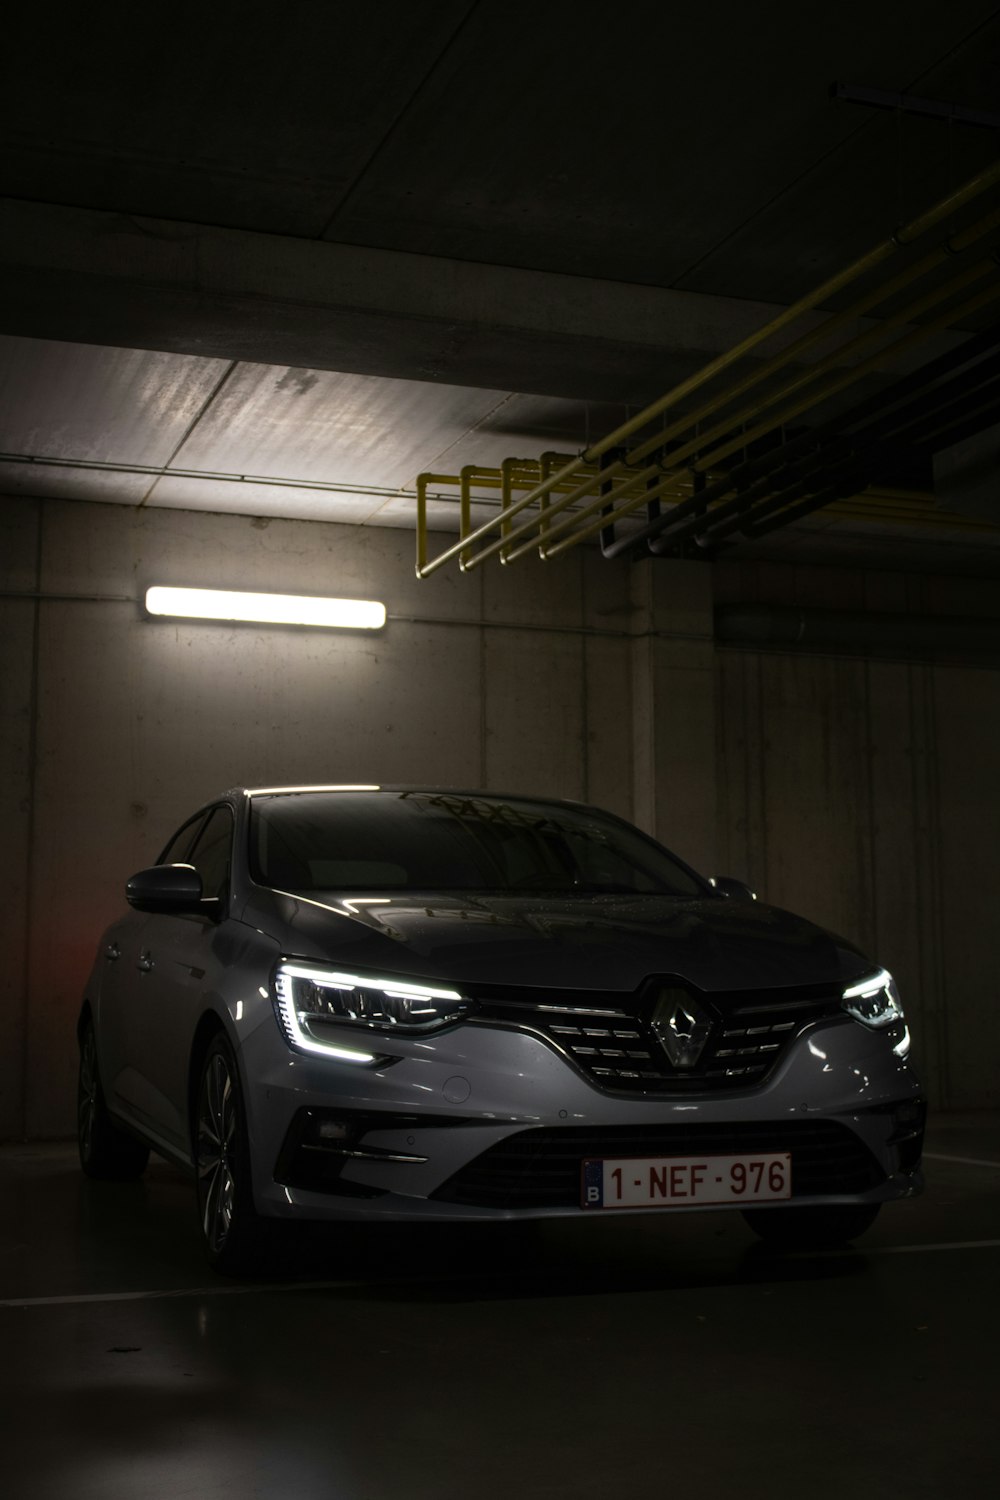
(359,1003)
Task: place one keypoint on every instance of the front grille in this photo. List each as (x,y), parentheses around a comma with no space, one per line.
(610,1036)
(540,1167)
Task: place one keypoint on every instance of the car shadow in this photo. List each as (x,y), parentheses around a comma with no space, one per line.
(474,1263)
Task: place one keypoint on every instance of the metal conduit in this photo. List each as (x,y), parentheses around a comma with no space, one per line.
(555,492)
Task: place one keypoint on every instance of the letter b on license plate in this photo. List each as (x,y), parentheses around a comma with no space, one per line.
(686,1181)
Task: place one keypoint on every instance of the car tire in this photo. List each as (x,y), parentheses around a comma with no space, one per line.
(231,1229)
(106,1153)
(811,1228)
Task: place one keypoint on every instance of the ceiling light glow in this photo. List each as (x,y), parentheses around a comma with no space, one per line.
(268,609)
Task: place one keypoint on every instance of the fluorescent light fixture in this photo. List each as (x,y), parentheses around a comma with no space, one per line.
(268,609)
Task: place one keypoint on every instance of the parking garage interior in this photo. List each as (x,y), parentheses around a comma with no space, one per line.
(506,316)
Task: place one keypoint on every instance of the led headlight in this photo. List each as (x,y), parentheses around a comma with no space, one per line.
(875,1001)
(317,1006)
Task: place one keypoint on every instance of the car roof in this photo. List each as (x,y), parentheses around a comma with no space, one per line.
(295,789)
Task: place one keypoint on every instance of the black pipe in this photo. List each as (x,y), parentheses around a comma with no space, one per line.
(877,408)
(864,462)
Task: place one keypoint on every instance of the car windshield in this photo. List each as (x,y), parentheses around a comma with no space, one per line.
(451,842)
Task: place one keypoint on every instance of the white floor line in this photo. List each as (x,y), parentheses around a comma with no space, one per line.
(920,1249)
(184,1291)
(962,1161)
(330,1286)
(872,1250)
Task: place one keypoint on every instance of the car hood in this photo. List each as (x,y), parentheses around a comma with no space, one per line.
(598,942)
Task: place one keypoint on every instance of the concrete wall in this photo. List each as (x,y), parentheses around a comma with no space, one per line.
(861,793)
(864,794)
(115,726)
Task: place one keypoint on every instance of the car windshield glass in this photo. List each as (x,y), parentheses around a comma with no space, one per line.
(429,841)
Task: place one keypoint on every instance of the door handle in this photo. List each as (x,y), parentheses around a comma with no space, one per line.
(112,952)
(145,962)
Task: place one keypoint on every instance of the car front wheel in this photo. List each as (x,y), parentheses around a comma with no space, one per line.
(230,1227)
(811,1228)
(106,1152)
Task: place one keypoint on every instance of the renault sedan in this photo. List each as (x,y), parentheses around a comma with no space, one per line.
(344,1003)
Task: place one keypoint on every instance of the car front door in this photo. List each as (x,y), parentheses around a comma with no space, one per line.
(177,967)
(122,1000)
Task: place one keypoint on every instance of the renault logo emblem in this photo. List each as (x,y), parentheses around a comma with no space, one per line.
(681,1027)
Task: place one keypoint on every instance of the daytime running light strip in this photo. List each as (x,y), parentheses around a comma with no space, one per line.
(267,609)
(398,988)
(871,986)
(293,1027)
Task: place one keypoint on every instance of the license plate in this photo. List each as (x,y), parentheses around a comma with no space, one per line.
(686,1181)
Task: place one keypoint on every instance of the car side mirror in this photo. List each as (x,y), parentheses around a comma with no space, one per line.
(734,890)
(165,888)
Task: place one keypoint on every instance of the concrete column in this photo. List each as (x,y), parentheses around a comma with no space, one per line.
(673,697)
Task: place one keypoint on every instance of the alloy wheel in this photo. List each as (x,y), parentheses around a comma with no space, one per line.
(87,1093)
(216,1151)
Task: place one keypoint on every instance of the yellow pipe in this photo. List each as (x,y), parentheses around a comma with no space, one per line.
(486,478)
(904,508)
(954,246)
(684,424)
(465,510)
(672,480)
(421,523)
(507,468)
(806,377)
(823,332)
(553,507)
(866,367)
(905,236)
(556,507)
(678,483)
(973,304)
(548,463)
(423,480)
(911,231)
(777,418)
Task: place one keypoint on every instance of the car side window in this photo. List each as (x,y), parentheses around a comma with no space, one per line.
(212,853)
(176,852)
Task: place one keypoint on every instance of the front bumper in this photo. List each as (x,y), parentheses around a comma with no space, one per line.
(488,1123)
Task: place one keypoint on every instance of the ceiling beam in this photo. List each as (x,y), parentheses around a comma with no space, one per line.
(94,277)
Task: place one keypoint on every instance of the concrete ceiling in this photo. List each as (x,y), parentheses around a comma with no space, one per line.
(279,260)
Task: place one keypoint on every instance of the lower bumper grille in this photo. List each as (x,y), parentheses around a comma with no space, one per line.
(540,1168)
(321,1142)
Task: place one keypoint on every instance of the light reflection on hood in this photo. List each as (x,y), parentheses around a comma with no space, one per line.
(601,941)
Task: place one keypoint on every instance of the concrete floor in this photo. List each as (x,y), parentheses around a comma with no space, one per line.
(641,1358)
